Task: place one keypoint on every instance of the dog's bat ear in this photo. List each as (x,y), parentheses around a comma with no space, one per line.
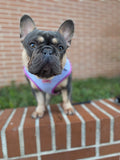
(27,25)
(67,30)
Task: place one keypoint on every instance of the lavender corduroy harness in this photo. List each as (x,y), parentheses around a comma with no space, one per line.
(48,86)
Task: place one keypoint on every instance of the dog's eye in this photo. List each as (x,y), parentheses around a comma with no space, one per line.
(60,47)
(32,45)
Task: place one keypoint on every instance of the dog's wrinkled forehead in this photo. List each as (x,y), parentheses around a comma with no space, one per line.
(46,37)
(28,31)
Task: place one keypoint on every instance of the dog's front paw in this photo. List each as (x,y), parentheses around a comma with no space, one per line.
(69,111)
(39,112)
(36,114)
(68,108)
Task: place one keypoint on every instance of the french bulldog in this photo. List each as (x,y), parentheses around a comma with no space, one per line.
(45,61)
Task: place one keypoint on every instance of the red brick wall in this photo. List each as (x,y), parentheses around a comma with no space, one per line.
(95,49)
(92,133)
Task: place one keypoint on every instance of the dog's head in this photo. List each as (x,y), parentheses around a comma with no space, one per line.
(45,49)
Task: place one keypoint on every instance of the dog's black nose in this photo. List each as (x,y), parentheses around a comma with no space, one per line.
(47,51)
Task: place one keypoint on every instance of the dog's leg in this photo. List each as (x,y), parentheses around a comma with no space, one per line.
(40,109)
(47,99)
(68,108)
(66,96)
(40,97)
(42,100)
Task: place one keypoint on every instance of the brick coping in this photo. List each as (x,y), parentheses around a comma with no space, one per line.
(92,133)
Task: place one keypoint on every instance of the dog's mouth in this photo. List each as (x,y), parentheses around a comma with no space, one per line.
(45,67)
(48,71)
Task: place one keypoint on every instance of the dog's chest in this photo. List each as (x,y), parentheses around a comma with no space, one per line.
(54,85)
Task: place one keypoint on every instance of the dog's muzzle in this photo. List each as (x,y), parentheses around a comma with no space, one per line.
(47,51)
(45,63)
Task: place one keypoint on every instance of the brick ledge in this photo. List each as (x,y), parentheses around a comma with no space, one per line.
(93,131)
